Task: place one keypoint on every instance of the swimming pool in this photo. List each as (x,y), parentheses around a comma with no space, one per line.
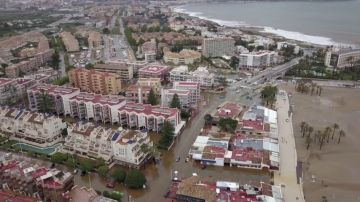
(46,150)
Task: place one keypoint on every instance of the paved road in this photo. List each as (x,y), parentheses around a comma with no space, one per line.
(288,156)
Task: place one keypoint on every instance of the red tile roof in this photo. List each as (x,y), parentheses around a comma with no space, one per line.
(229,110)
(149,110)
(99,99)
(154,69)
(54,89)
(255,125)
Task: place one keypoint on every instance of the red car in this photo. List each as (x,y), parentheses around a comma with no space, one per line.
(110,184)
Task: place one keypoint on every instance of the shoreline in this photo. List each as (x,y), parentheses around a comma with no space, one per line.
(310,40)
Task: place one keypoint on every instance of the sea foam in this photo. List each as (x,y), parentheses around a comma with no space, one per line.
(283,33)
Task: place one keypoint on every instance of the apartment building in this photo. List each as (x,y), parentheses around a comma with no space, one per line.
(125,71)
(89,140)
(138,94)
(259,59)
(193,87)
(200,75)
(31,128)
(155,71)
(102,108)
(30,65)
(14,89)
(25,177)
(56,97)
(148,117)
(127,144)
(342,58)
(95,81)
(284,44)
(78,193)
(149,50)
(185,56)
(154,83)
(218,47)
(184,97)
(70,42)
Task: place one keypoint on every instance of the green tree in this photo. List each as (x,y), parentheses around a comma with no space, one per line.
(208,119)
(86,165)
(118,175)
(175,102)
(135,179)
(55,60)
(234,62)
(59,157)
(46,104)
(228,124)
(167,135)
(152,99)
(151,150)
(268,95)
(103,171)
(335,127)
(341,134)
(106,30)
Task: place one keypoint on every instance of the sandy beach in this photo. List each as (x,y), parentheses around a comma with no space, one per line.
(333,171)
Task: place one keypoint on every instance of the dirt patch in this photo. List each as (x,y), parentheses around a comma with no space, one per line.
(334,171)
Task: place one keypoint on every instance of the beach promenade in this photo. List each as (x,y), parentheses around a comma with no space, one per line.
(292,190)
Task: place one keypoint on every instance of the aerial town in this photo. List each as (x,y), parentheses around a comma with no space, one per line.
(130,101)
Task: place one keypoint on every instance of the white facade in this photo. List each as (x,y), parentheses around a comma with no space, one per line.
(193,87)
(30,127)
(284,44)
(200,75)
(184,97)
(89,140)
(256,59)
(127,147)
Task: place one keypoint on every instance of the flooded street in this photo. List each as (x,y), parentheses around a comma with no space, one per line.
(159,176)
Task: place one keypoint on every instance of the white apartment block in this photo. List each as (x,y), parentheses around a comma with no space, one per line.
(149,50)
(88,140)
(103,108)
(184,97)
(200,75)
(126,145)
(218,47)
(31,128)
(259,59)
(285,44)
(59,97)
(193,87)
(342,58)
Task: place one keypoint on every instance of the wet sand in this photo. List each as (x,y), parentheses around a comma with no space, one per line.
(336,167)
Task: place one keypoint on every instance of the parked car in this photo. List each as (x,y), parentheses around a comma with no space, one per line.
(110,184)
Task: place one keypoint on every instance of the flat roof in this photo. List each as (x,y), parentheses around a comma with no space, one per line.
(154,69)
(54,89)
(148,109)
(99,99)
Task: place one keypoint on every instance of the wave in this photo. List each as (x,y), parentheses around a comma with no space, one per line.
(319,40)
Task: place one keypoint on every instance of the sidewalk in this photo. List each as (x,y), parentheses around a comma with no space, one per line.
(292,191)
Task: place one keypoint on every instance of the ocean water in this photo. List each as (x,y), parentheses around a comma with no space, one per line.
(318,22)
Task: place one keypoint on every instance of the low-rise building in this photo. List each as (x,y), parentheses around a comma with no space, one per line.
(88,140)
(342,58)
(125,71)
(138,94)
(13,89)
(259,59)
(127,147)
(96,107)
(31,128)
(284,44)
(78,193)
(55,97)
(155,71)
(154,83)
(183,95)
(193,87)
(95,81)
(200,75)
(151,118)
(149,50)
(185,56)
(228,110)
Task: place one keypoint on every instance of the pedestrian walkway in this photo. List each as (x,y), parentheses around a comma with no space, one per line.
(292,191)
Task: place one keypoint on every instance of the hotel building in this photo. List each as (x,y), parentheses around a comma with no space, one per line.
(342,58)
(218,47)
(193,87)
(200,75)
(155,71)
(185,56)
(259,59)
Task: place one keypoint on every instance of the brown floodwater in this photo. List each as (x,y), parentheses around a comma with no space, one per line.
(159,176)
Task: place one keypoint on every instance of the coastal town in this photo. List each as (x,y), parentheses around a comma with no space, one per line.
(136,101)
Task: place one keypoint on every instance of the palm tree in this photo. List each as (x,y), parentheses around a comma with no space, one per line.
(335,126)
(308,142)
(310,130)
(303,126)
(317,136)
(341,134)
(323,136)
(208,119)
(328,131)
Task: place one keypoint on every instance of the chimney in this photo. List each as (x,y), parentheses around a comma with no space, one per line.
(140,95)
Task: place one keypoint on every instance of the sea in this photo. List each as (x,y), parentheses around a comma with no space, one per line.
(318,22)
